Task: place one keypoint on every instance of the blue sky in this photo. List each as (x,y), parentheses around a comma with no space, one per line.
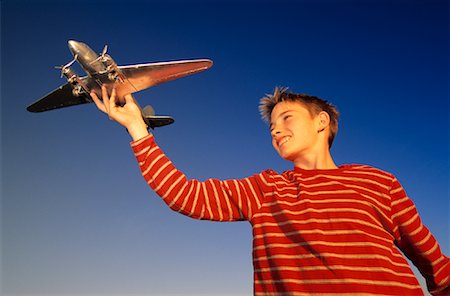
(78,219)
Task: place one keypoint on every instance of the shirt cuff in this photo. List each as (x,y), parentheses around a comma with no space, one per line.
(140,144)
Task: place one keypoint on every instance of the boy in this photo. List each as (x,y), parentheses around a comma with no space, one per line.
(317,229)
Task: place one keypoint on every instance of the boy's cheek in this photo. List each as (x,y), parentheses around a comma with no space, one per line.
(274,145)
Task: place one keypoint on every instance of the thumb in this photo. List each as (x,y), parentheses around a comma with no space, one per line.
(129,99)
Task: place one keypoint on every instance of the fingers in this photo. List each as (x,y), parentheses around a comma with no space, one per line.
(97,102)
(106,100)
(112,100)
(109,103)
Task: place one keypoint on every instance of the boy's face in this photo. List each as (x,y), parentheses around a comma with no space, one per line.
(294,131)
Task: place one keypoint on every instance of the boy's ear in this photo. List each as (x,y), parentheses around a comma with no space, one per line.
(323,121)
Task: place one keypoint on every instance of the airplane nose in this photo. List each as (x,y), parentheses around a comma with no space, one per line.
(74,46)
(72,43)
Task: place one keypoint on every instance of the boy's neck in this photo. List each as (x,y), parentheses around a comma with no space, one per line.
(320,161)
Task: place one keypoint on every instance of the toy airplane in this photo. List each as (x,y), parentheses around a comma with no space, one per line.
(102,70)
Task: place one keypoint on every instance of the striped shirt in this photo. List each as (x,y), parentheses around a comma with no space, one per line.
(321,232)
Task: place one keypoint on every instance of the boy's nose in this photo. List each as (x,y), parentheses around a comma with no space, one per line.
(275,132)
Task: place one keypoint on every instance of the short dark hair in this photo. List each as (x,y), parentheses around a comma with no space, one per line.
(314,105)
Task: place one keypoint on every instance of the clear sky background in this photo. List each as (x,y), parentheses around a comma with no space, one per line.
(77,217)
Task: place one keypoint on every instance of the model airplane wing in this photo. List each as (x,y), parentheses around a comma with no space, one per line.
(147,75)
(59,98)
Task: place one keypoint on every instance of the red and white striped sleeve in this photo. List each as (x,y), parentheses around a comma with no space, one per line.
(417,242)
(230,200)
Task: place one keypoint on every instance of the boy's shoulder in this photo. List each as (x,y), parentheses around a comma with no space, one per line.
(353,170)
(364,168)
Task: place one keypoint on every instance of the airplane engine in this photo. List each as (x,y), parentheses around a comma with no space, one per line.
(70,74)
(78,86)
(114,73)
(79,89)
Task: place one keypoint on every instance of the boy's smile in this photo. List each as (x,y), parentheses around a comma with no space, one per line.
(283,140)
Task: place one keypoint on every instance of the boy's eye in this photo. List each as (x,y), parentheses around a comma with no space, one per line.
(287,117)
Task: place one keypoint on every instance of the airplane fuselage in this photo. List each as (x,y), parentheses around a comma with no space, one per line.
(86,57)
(102,69)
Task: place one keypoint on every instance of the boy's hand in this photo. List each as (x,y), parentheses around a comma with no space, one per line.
(128,115)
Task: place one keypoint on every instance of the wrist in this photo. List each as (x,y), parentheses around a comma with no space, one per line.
(138,130)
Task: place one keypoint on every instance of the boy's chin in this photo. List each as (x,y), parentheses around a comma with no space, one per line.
(286,156)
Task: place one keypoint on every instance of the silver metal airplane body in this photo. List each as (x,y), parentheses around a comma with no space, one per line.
(103,70)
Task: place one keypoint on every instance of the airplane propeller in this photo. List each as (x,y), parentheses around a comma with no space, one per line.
(66,66)
(102,56)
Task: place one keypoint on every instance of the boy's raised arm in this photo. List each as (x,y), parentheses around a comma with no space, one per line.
(212,199)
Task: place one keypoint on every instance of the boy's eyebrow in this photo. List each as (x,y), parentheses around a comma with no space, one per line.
(281,114)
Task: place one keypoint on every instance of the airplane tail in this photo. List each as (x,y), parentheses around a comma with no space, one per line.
(152,120)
